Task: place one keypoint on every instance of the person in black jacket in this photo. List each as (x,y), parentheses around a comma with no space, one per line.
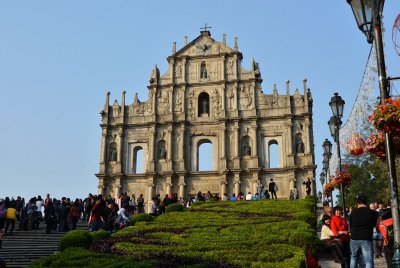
(362,222)
(49,216)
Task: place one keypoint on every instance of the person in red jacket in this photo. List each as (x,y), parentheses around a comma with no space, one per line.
(382,225)
(340,229)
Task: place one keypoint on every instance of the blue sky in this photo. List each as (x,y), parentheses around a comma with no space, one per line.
(58,60)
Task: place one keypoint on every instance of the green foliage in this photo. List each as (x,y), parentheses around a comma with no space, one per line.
(264,233)
(76,238)
(370,178)
(83,258)
(142,217)
(174,208)
(98,235)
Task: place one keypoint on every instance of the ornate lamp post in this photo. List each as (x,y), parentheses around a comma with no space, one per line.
(337,105)
(368,17)
(327,146)
(322,181)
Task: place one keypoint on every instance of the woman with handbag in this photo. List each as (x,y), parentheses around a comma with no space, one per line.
(329,241)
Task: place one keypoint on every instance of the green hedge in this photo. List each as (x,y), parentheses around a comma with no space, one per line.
(98,235)
(174,208)
(76,238)
(142,217)
(265,233)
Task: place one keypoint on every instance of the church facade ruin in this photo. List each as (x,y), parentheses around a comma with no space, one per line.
(206,97)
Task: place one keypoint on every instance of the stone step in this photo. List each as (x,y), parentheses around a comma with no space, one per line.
(23,247)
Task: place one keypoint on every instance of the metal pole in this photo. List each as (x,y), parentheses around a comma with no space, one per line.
(383,86)
(340,165)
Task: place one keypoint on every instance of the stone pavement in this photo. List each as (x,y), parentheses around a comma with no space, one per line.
(328,263)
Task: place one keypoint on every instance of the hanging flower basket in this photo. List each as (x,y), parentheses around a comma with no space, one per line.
(341,177)
(386,117)
(328,188)
(376,145)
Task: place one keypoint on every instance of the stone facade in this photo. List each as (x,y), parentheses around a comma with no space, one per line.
(206,96)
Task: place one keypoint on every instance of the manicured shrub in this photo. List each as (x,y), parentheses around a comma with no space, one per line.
(142,217)
(304,238)
(174,208)
(76,238)
(98,235)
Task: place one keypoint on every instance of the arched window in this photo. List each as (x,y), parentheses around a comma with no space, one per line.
(203,104)
(204,155)
(112,152)
(273,153)
(162,150)
(137,165)
(246,146)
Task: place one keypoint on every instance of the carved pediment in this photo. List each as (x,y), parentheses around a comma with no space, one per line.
(204,45)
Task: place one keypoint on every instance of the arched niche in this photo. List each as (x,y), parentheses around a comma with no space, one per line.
(203,104)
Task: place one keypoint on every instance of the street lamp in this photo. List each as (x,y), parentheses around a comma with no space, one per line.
(327,146)
(335,122)
(368,17)
(322,179)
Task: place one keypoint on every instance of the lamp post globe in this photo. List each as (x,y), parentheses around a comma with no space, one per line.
(337,105)
(327,146)
(332,127)
(322,178)
(365,13)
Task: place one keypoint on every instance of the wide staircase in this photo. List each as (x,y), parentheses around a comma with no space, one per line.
(23,247)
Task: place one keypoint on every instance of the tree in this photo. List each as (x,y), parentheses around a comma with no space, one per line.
(369,177)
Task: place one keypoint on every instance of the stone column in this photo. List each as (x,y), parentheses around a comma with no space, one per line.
(103,150)
(150,150)
(254,183)
(307,141)
(150,186)
(120,148)
(181,184)
(168,185)
(237,183)
(223,184)
(117,187)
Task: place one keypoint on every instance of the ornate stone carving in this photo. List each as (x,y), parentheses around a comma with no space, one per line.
(245,96)
(231,97)
(163,103)
(178,103)
(179,69)
(193,72)
(216,103)
(230,65)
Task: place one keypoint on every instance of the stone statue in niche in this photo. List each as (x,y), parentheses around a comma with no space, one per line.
(299,144)
(162,152)
(113,152)
(246,149)
(203,71)
(204,106)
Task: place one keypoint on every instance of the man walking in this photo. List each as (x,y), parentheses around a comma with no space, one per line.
(272,187)
(362,222)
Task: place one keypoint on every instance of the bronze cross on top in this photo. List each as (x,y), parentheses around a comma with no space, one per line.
(205,27)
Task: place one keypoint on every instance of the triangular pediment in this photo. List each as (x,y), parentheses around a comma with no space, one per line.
(204,45)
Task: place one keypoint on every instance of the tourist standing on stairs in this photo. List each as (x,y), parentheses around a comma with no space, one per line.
(362,222)
(74,213)
(272,187)
(49,216)
(11,217)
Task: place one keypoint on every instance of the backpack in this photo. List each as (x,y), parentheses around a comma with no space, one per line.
(390,237)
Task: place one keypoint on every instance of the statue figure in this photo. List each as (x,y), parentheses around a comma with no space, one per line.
(246,149)
(204,106)
(113,152)
(308,183)
(299,144)
(163,152)
(203,71)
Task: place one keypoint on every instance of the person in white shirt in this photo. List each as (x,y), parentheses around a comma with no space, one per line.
(249,196)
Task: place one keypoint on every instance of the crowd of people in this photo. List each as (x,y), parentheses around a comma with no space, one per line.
(364,234)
